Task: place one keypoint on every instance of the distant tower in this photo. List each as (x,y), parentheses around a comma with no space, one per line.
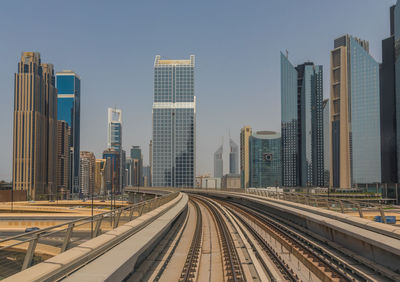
(218,162)
(233,157)
(174,123)
(114,136)
(87,172)
(35,128)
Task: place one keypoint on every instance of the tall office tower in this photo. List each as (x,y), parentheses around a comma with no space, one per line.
(326,118)
(62,167)
(146,176)
(114,134)
(245,134)
(113,162)
(302,127)
(68,104)
(99,177)
(233,157)
(355,114)
(150,162)
(174,123)
(35,128)
(265,159)
(137,162)
(218,162)
(87,172)
(389,94)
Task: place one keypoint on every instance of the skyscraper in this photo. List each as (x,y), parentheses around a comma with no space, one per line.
(265,159)
(150,162)
(389,94)
(233,157)
(68,103)
(63,158)
(114,134)
(137,163)
(302,124)
(326,118)
(99,177)
(112,170)
(87,172)
(174,123)
(355,114)
(218,162)
(35,128)
(245,134)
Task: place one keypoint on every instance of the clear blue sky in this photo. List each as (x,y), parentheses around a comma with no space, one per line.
(112,45)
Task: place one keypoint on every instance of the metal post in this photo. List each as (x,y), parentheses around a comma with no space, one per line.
(30,252)
(382,214)
(360,210)
(131,214)
(341,206)
(116,222)
(98,225)
(67,237)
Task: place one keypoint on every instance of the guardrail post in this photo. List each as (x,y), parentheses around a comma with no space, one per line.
(141,210)
(116,221)
(131,213)
(97,228)
(67,237)
(382,214)
(30,252)
(341,206)
(360,210)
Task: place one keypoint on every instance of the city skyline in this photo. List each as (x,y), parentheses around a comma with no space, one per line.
(259,90)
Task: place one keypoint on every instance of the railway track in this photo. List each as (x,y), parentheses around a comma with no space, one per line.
(232,264)
(192,260)
(325,265)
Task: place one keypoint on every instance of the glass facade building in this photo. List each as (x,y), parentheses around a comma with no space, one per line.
(326,117)
(302,124)
(365,116)
(68,85)
(218,162)
(289,123)
(355,114)
(114,129)
(174,123)
(265,159)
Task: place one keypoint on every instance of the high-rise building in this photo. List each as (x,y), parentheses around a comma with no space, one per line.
(146,176)
(302,124)
(245,134)
(137,163)
(150,161)
(62,167)
(68,103)
(218,162)
(265,159)
(87,172)
(112,171)
(326,118)
(99,177)
(388,108)
(114,135)
(233,157)
(355,114)
(174,123)
(35,128)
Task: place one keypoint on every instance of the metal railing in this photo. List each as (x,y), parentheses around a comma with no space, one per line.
(24,250)
(323,201)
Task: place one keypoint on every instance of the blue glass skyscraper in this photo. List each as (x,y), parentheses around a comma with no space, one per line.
(68,109)
(174,123)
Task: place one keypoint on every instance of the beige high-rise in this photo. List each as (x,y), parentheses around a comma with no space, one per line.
(245,134)
(35,128)
(87,172)
(99,177)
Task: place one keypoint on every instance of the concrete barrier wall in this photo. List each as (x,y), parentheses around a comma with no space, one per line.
(70,260)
